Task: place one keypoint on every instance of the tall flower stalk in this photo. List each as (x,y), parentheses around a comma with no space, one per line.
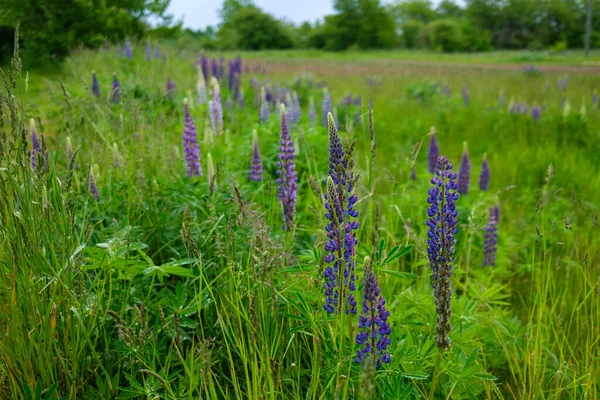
(442,223)
(36,149)
(433,153)
(116,90)
(341,241)
(190,143)
(464,171)
(484,177)
(326,106)
(491,237)
(286,175)
(264,111)
(374,329)
(256,167)
(95,85)
(215,107)
(201,87)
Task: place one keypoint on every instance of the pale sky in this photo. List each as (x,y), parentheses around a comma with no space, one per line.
(198,14)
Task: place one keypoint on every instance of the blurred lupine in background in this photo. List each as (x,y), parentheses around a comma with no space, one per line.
(536,112)
(35,153)
(116,90)
(595,98)
(148,51)
(286,175)
(433,153)
(95,85)
(484,176)
(256,167)
(156,52)
(442,223)
(170,87)
(201,87)
(312,111)
(190,143)
(92,184)
(326,106)
(215,108)
(374,330)
(264,108)
(466,96)
(491,237)
(128,49)
(204,66)
(341,241)
(464,171)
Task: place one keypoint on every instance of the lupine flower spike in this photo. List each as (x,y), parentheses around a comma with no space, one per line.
(36,148)
(341,241)
(491,237)
(264,111)
(464,172)
(190,143)
(286,175)
(215,107)
(326,106)
(442,223)
(312,112)
(434,151)
(484,177)
(536,112)
(93,187)
(95,85)
(374,329)
(170,87)
(256,168)
(128,49)
(466,96)
(116,90)
(148,51)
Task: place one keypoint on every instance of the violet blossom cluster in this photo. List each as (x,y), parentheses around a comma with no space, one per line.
(215,107)
(190,143)
(491,237)
(484,176)
(256,167)
(464,171)
(286,175)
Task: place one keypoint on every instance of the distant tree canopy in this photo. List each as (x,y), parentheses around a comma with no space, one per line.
(49,29)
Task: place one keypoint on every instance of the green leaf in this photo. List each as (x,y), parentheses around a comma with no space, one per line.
(398,274)
(394,254)
(486,377)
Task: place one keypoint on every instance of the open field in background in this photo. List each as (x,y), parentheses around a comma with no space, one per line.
(170,287)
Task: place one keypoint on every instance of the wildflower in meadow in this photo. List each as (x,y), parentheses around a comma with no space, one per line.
(93,187)
(464,171)
(128,49)
(286,175)
(215,107)
(256,167)
(148,51)
(201,87)
(326,106)
(170,87)
(413,173)
(214,68)
(116,90)
(36,148)
(374,332)
(341,241)
(442,223)
(204,65)
(536,112)
(265,108)
(156,51)
(484,177)
(95,85)
(190,143)
(466,96)
(433,153)
(312,111)
(491,237)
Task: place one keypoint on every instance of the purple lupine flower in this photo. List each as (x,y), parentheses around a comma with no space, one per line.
(190,143)
(484,177)
(286,175)
(215,107)
(341,240)
(204,66)
(95,86)
(275,99)
(413,173)
(491,237)
(326,106)
(466,96)
(312,111)
(148,51)
(36,148)
(170,87)
(156,52)
(374,329)
(265,109)
(128,49)
(256,167)
(221,68)
(116,90)
(214,68)
(594,97)
(433,153)
(464,171)
(442,223)
(93,187)
(536,112)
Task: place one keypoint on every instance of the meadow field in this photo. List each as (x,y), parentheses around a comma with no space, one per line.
(155,250)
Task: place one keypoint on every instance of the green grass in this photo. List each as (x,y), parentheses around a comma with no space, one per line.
(172,287)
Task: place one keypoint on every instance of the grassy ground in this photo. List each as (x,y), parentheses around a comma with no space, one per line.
(174,287)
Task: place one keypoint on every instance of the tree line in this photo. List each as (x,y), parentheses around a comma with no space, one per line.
(52,29)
